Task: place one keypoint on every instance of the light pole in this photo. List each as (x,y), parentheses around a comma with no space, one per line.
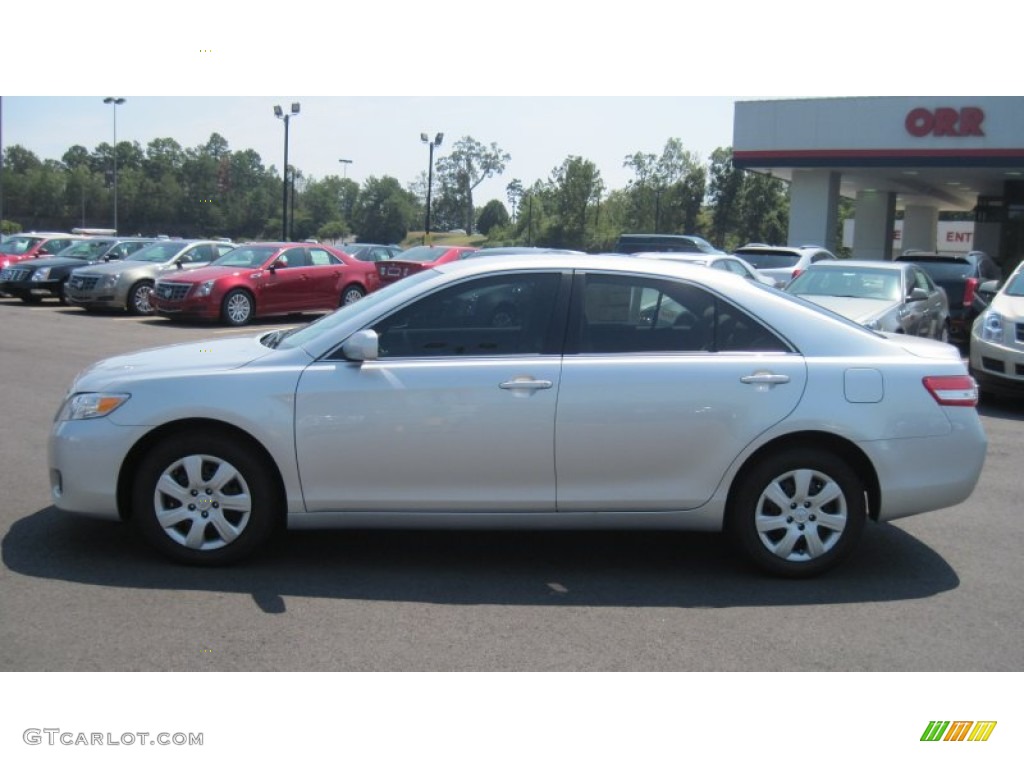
(114,101)
(345,164)
(282,115)
(430,179)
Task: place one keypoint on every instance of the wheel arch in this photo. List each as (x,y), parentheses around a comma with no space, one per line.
(130,465)
(823,441)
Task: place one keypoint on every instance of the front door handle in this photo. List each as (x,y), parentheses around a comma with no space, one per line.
(529,384)
(765,379)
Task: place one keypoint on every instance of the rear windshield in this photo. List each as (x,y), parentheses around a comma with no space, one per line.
(944,269)
(423,253)
(770,259)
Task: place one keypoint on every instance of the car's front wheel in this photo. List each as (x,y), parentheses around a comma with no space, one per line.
(138,298)
(237,307)
(204,499)
(799,512)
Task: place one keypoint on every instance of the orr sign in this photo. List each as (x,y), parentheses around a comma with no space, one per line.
(945,121)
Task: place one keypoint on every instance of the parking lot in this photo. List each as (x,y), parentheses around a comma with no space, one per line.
(936,592)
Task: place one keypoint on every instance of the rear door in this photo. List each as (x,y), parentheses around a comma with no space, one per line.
(663,386)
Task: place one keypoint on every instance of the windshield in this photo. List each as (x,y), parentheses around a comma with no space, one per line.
(865,283)
(245,256)
(87,249)
(157,253)
(327,323)
(18,245)
(1015,287)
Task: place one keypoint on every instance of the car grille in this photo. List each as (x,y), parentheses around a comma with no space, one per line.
(11,275)
(171,291)
(83,282)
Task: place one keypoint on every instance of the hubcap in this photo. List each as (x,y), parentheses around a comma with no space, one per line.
(801,515)
(238,308)
(141,299)
(352,296)
(202,502)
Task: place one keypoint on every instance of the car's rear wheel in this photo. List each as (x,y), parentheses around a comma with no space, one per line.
(204,499)
(799,512)
(138,298)
(351,295)
(237,307)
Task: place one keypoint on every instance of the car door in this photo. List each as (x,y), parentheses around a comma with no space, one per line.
(282,288)
(663,385)
(326,278)
(930,314)
(458,412)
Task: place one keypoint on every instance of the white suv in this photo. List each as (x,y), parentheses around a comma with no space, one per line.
(997,340)
(782,262)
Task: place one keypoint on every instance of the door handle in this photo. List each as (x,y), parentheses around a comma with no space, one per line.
(765,378)
(529,384)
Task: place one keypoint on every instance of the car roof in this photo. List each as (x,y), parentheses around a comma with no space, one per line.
(894,266)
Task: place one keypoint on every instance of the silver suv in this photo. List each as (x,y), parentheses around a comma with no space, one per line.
(782,262)
(126,284)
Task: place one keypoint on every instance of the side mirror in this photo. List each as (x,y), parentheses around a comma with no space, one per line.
(278,264)
(362,346)
(918,294)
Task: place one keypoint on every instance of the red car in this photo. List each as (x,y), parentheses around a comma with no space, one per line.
(33,245)
(262,279)
(419,258)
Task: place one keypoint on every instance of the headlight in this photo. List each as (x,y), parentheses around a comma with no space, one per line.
(109,281)
(40,274)
(91,405)
(206,288)
(991,326)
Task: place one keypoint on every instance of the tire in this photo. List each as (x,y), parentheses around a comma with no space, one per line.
(798,513)
(138,298)
(944,333)
(351,295)
(31,299)
(237,307)
(204,499)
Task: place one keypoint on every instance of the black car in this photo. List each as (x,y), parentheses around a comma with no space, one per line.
(960,275)
(33,280)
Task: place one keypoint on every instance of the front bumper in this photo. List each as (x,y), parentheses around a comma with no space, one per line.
(85,459)
(997,367)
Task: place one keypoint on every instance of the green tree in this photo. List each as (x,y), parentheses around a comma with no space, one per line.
(724,185)
(493,215)
(576,187)
(383,211)
(764,209)
(462,171)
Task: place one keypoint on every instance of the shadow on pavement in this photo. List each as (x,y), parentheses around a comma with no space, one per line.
(610,568)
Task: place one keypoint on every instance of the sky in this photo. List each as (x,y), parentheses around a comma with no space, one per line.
(381,134)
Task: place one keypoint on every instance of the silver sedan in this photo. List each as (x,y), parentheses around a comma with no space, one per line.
(895,297)
(530,391)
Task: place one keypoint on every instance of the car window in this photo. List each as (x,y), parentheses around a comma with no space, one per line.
(320,258)
(494,315)
(628,314)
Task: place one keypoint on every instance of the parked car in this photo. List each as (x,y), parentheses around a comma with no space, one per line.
(418,258)
(127,284)
(782,262)
(751,411)
(372,251)
(516,250)
(36,279)
(882,295)
(720,261)
(34,245)
(264,279)
(960,275)
(997,340)
(637,243)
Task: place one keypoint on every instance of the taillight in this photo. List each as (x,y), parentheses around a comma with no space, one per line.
(970,286)
(952,390)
